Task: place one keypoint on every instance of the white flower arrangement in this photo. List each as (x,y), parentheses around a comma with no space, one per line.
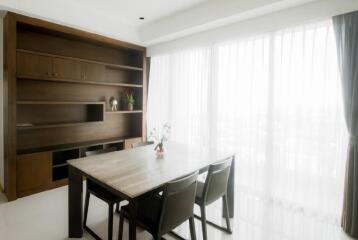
(160,136)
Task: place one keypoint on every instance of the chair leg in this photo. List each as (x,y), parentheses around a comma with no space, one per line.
(203,222)
(86,208)
(192,228)
(227,214)
(120,231)
(110,221)
(117,207)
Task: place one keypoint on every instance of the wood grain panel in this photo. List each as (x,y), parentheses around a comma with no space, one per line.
(49,43)
(57,91)
(10,36)
(93,72)
(67,69)
(34,65)
(122,76)
(115,125)
(33,171)
(51,114)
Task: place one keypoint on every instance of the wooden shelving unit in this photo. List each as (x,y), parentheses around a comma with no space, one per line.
(110,65)
(59,82)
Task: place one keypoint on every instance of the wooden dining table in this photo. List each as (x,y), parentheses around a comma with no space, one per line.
(133,173)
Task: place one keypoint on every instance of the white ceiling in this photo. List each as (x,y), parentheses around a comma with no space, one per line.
(164,19)
(129,11)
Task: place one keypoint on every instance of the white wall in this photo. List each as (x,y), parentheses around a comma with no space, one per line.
(209,15)
(1,105)
(294,16)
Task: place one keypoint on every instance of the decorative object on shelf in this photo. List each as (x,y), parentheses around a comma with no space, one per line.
(129,96)
(160,137)
(114,104)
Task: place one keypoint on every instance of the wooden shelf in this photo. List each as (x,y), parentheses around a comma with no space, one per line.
(124,112)
(59,165)
(57,125)
(72,145)
(56,102)
(110,65)
(47,109)
(50,79)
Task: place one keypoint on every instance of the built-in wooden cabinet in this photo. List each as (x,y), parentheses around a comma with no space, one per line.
(59,82)
(34,65)
(34,172)
(66,69)
(93,72)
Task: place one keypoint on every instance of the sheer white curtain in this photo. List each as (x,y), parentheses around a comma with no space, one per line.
(275,100)
(179,94)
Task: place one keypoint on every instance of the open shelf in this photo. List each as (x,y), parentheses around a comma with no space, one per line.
(59,165)
(70,146)
(42,78)
(60,158)
(31,114)
(124,112)
(57,125)
(60,173)
(110,65)
(55,102)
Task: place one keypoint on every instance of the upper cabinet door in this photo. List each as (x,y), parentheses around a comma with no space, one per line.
(67,69)
(29,64)
(93,72)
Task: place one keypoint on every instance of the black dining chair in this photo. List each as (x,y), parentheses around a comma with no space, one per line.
(141,144)
(103,194)
(159,215)
(214,188)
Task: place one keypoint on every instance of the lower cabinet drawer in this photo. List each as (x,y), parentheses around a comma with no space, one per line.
(34,172)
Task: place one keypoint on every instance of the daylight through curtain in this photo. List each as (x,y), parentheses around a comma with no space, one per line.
(275,100)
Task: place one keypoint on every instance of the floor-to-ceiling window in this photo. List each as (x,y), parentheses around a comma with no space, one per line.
(274,99)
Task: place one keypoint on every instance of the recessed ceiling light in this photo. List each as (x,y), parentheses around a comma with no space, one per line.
(141,18)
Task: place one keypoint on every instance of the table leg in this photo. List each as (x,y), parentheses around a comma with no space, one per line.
(230,191)
(133,207)
(75,186)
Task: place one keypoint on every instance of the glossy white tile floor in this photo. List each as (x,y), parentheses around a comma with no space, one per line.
(43,216)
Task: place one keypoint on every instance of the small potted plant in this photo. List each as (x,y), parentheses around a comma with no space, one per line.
(128,94)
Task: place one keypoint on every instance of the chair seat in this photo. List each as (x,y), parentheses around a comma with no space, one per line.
(199,192)
(148,211)
(101,192)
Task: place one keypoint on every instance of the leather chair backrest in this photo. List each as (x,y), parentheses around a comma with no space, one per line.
(178,202)
(216,181)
